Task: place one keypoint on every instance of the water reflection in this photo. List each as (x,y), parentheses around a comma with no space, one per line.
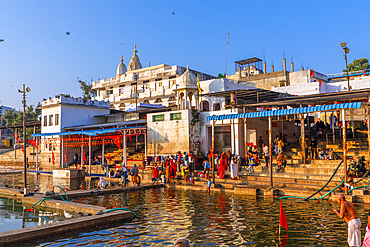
(218,219)
(14,216)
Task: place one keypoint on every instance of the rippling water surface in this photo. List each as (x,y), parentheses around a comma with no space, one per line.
(219,219)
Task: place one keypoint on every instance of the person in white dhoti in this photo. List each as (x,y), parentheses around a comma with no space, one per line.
(234,167)
(102,183)
(349,214)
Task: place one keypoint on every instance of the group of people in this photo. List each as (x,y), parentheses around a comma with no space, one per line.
(123,174)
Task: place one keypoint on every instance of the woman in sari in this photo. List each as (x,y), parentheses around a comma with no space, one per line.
(222,167)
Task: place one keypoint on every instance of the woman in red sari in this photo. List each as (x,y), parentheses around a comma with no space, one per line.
(222,167)
(173,169)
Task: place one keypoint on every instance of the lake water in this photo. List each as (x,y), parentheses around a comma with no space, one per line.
(219,219)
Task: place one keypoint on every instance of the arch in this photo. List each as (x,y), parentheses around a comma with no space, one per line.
(204,105)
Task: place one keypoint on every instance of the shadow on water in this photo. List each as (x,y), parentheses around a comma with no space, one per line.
(219,219)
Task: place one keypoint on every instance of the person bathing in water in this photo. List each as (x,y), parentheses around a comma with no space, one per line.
(349,214)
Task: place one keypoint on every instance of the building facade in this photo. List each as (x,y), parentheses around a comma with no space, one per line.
(135,84)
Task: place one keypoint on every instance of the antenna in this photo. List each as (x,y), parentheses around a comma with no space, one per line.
(227,51)
(264,53)
(291,59)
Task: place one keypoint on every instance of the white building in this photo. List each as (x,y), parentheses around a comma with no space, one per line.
(61,112)
(135,84)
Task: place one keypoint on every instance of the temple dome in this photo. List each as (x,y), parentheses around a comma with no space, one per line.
(121,68)
(188,77)
(134,62)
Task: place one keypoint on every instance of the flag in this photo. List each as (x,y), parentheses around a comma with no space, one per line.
(130,138)
(320,82)
(364,72)
(228,38)
(52,157)
(15,136)
(116,141)
(22,149)
(109,157)
(312,74)
(33,143)
(283,221)
(199,89)
(66,156)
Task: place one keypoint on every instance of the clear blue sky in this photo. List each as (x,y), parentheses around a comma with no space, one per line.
(37,51)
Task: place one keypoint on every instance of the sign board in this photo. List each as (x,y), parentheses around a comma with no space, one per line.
(125,92)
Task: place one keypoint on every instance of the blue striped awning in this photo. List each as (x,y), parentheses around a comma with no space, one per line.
(258,114)
(89,132)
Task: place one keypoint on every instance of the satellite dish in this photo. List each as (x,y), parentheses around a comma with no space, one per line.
(28,89)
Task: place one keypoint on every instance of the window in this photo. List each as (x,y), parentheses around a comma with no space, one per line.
(56,119)
(158,79)
(172,77)
(51,120)
(45,121)
(175,116)
(158,118)
(111,91)
(159,84)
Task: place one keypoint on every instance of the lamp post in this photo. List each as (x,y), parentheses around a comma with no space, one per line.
(24,137)
(346,50)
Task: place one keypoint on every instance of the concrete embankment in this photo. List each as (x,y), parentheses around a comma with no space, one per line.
(51,203)
(70,225)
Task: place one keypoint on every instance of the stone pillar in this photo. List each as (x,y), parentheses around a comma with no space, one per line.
(284,65)
(291,67)
(264,68)
(272,68)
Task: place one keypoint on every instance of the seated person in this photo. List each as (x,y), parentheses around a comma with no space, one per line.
(333,155)
(323,155)
(102,183)
(112,174)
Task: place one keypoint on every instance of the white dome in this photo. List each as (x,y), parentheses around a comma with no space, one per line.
(121,68)
(188,78)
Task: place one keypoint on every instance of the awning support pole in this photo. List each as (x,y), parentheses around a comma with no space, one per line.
(89,155)
(344,128)
(368,128)
(102,152)
(270,152)
(213,152)
(125,149)
(82,151)
(245,138)
(303,140)
(37,158)
(146,150)
(62,154)
(332,125)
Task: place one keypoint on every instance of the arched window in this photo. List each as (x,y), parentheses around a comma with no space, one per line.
(216,106)
(204,105)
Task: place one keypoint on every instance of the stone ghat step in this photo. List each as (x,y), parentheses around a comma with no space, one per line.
(302,170)
(297,176)
(305,192)
(292,180)
(292,185)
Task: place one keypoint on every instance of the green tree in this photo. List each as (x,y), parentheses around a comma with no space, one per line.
(358,64)
(87,91)
(13,117)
